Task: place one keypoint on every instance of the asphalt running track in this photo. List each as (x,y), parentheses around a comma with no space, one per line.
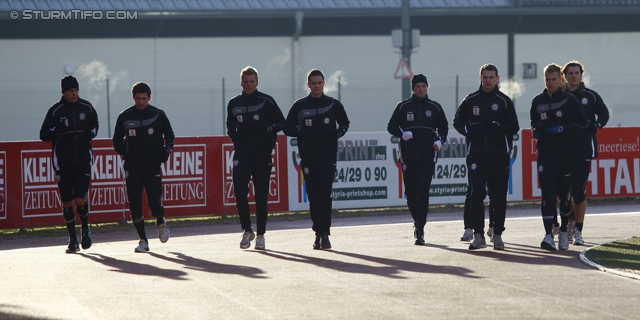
(373,272)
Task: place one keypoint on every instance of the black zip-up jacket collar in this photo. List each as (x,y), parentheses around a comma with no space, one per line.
(427,122)
(557,119)
(144,137)
(597,113)
(70,127)
(253,122)
(488,120)
(317,123)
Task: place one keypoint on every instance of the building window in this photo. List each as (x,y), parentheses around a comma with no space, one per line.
(529,70)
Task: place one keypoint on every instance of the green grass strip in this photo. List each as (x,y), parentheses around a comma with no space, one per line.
(622,255)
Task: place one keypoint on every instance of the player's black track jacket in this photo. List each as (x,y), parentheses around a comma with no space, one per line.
(138,137)
(555,120)
(70,128)
(488,120)
(253,122)
(313,122)
(592,105)
(428,123)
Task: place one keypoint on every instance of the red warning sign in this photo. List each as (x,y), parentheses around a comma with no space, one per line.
(403,71)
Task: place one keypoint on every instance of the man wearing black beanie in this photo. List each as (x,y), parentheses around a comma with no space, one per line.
(70,125)
(423,127)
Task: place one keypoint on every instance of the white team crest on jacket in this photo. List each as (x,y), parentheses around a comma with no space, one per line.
(474,166)
(543,116)
(150,131)
(585,101)
(326,120)
(82,116)
(409,116)
(235,163)
(239,117)
(558,114)
(307,122)
(476,110)
(305,170)
(428,113)
(494,107)
(540,168)
(256,117)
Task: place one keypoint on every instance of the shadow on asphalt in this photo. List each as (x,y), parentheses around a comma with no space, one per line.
(7,312)
(523,254)
(390,268)
(138,269)
(210,266)
(126,232)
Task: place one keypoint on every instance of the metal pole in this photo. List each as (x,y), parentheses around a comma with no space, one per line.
(511,60)
(224,117)
(455,105)
(295,57)
(406,47)
(108,112)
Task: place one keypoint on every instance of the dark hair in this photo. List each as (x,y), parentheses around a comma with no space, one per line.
(141,87)
(573,63)
(249,71)
(489,67)
(552,67)
(313,73)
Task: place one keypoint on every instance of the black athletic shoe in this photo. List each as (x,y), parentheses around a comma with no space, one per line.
(86,239)
(73,247)
(316,244)
(419,235)
(326,245)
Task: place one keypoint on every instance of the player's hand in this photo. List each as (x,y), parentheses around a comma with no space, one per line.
(557,129)
(164,154)
(407,135)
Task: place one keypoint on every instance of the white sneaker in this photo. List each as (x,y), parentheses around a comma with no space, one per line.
(571,229)
(260,242)
(246,239)
(467,235)
(563,241)
(143,246)
(163,231)
(490,234)
(548,243)
(578,238)
(478,242)
(497,242)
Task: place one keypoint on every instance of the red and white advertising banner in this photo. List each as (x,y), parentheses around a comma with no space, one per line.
(369,173)
(278,185)
(614,173)
(3,186)
(193,182)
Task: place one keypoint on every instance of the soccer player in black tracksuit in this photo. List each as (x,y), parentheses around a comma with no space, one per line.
(586,143)
(556,118)
(253,122)
(144,137)
(312,120)
(487,118)
(423,127)
(70,125)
